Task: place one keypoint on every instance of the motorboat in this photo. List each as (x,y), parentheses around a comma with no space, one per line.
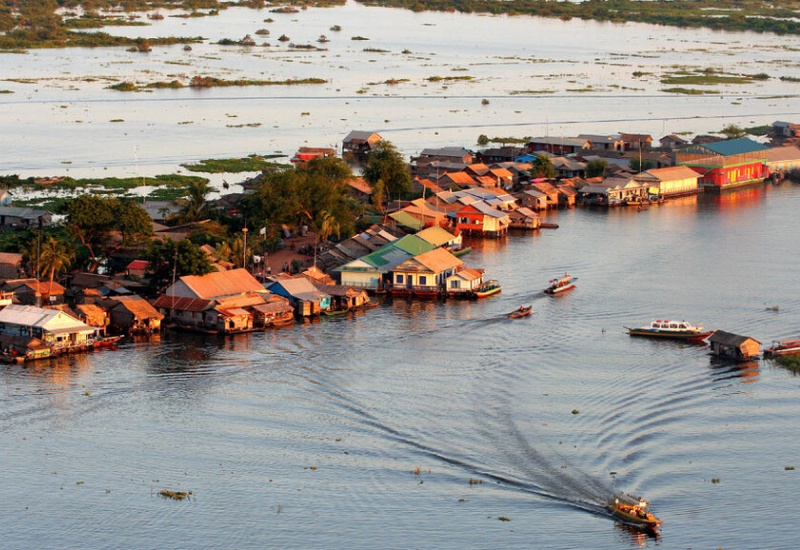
(676,330)
(633,511)
(561,284)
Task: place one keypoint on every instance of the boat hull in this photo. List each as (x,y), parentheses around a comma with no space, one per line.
(559,290)
(520,313)
(783,348)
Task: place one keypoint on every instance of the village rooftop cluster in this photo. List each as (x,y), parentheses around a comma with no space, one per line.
(414,249)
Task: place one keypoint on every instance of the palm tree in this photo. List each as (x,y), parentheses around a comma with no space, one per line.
(55,256)
(194,205)
(328,227)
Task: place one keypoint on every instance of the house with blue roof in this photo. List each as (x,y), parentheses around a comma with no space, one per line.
(726,164)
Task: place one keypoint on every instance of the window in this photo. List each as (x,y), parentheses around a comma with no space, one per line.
(423,280)
(398,279)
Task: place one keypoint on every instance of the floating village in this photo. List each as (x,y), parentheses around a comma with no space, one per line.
(414,250)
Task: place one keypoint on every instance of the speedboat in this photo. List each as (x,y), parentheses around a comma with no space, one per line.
(676,330)
(633,511)
(560,284)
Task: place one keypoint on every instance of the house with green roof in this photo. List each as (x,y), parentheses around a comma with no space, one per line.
(726,164)
(373,271)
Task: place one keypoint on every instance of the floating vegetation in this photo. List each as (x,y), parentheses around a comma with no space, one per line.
(175,495)
(336,28)
(473,481)
(531,92)
(789,362)
(212,82)
(358,38)
(252,163)
(790,79)
(504,518)
(688,91)
(248,125)
(575,411)
(788,467)
(448,78)
(706,79)
(715,480)
(773,308)
(376,50)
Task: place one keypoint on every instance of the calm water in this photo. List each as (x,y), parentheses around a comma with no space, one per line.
(419,425)
(540,77)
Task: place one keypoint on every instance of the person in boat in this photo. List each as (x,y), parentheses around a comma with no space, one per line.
(521,308)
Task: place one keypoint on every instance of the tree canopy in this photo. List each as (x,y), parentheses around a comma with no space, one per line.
(105,225)
(302,195)
(386,164)
(168,260)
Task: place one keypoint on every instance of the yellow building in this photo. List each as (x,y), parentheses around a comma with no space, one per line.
(672,181)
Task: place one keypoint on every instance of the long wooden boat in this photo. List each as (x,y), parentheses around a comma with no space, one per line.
(462,252)
(521,311)
(674,330)
(487,289)
(784,347)
(633,511)
(561,284)
(106,341)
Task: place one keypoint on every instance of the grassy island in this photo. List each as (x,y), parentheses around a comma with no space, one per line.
(777,17)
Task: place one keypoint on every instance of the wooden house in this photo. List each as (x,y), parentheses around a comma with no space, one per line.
(506,153)
(610,142)
(137,268)
(359,189)
(372,271)
(726,345)
(456,155)
(302,294)
(424,275)
(456,180)
(481,219)
(568,167)
(57,330)
(636,142)
(33,292)
(464,282)
(133,315)
(277,311)
(567,195)
(93,315)
(524,218)
(532,198)
(11,265)
(18,217)
(549,190)
(306,154)
(782,160)
(344,298)
(674,181)
(726,164)
(672,141)
(557,146)
(440,238)
(359,144)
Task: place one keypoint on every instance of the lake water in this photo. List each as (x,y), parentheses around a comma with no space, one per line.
(422,424)
(540,77)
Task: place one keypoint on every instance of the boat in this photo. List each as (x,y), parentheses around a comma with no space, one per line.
(675,330)
(487,289)
(561,284)
(106,341)
(785,347)
(633,511)
(521,311)
(461,251)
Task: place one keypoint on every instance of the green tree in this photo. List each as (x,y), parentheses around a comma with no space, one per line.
(168,260)
(596,168)
(386,164)
(194,205)
(542,167)
(732,131)
(103,225)
(642,165)
(483,140)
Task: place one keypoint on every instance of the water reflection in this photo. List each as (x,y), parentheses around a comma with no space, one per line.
(631,536)
(747,371)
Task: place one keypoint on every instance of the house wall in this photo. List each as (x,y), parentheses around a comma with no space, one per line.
(673,187)
(735,175)
(358,279)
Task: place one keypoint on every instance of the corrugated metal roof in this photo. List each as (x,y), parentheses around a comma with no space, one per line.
(672,173)
(183,304)
(775,154)
(436,235)
(139,307)
(221,283)
(32,316)
(412,245)
(438,260)
(10,258)
(406,219)
(735,147)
